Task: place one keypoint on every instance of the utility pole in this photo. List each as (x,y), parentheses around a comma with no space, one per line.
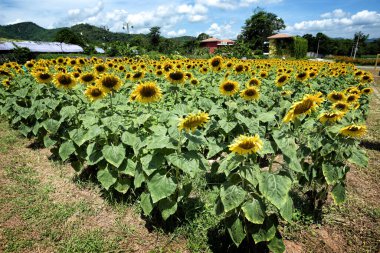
(318,47)
(126,26)
(356,47)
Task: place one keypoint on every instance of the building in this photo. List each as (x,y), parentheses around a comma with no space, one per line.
(214,43)
(280,45)
(43,47)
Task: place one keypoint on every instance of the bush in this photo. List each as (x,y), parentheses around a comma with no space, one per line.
(22,54)
(300,47)
(356,61)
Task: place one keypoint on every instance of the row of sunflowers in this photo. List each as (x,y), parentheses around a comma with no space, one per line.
(147,128)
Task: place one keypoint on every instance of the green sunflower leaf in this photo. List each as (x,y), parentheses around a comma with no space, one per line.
(114,154)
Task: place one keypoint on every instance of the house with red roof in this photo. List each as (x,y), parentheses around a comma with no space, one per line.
(214,43)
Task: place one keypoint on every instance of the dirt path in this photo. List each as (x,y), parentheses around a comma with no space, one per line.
(51,213)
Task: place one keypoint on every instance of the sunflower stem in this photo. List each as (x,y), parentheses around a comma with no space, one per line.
(111,104)
(271,163)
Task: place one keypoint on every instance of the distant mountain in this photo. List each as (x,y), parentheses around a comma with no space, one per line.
(27,31)
(93,34)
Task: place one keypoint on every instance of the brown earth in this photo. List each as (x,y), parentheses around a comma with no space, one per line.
(102,216)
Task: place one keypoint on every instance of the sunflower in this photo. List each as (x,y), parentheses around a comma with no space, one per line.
(353,90)
(239,68)
(42,77)
(100,68)
(109,83)
(192,121)
(286,93)
(194,81)
(64,80)
(76,74)
(352,98)
(203,70)
(176,77)
(229,88)
(146,93)
(81,61)
(250,93)
(87,78)
(72,62)
(341,106)
(216,63)
(313,74)
(353,130)
(94,92)
(159,72)
(254,82)
(302,76)
(316,98)
(189,75)
(6,82)
(263,74)
(330,117)
(138,75)
(244,145)
(167,67)
(29,64)
(335,96)
(366,78)
(305,106)
(366,91)
(282,80)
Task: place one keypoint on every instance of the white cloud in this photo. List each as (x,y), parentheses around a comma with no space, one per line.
(338,13)
(245,3)
(234,4)
(222,4)
(340,23)
(195,13)
(197,18)
(180,32)
(221,31)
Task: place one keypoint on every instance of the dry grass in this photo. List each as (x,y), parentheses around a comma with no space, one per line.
(43,210)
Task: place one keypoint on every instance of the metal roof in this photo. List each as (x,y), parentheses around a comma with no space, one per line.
(42,47)
(6,46)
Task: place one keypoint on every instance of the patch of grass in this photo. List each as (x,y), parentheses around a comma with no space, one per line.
(88,241)
(39,221)
(8,138)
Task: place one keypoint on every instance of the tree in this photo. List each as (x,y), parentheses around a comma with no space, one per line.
(154,36)
(359,40)
(67,36)
(203,36)
(259,26)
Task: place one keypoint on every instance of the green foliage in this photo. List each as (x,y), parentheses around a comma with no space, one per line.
(21,55)
(259,26)
(300,47)
(238,50)
(137,148)
(68,36)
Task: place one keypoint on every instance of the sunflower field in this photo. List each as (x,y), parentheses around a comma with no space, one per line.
(268,128)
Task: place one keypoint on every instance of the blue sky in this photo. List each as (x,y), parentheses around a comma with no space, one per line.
(219,18)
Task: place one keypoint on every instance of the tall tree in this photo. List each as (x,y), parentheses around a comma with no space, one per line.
(259,26)
(359,40)
(154,36)
(67,36)
(203,36)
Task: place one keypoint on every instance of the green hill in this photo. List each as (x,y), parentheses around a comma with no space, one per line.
(93,34)
(27,31)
